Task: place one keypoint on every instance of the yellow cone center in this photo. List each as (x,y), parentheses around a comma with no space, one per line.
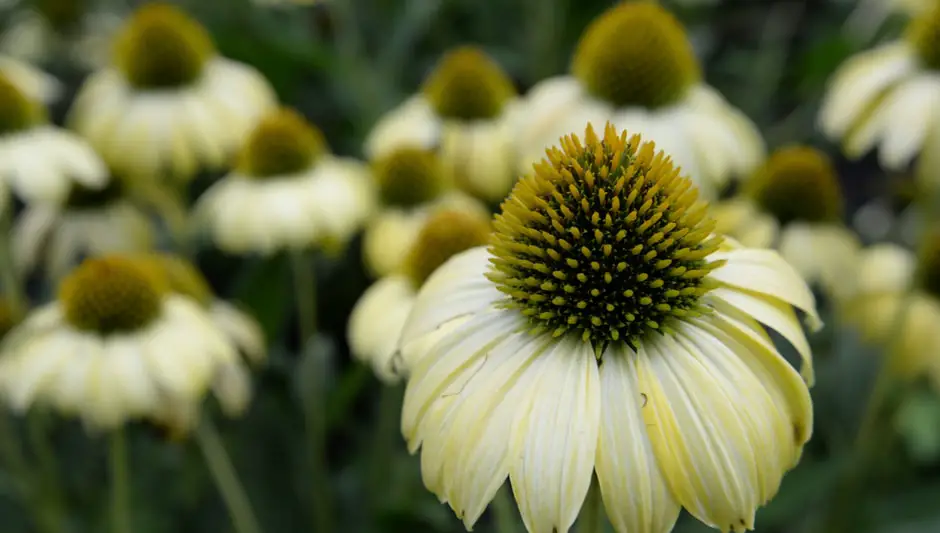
(63,15)
(17,111)
(445,234)
(924,34)
(798,183)
(160,47)
(409,176)
(636,55)
(178,275)
(283,143)
(110,295)
(468,85)
(605,240)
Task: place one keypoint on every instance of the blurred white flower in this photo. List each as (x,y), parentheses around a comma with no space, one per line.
(169,106)
(287,192)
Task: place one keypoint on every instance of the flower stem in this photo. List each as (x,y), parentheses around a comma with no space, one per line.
(46,517)
(504,513)
(592,514)
(10,282)
(226,479)
(47,496)
(385,440)
(315,400)
(120,486)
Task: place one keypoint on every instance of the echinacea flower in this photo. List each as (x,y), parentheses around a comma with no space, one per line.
(286,192)
(91,222)
(794,203)
(888,99)
(635,67)
(38,161)
(169,105)
(378,317)
(32,82)
(412,185)
(607,330)
(466,110)
(896,304)
(113,347)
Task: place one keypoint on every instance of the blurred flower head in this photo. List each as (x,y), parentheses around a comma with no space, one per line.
(114,346)
(465,111)
(888,99)
(169,105)
(378,317)
(794,203)
(635,67)
(607,330)
(287,192)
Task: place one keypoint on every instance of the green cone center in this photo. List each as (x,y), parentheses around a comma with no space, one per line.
(468,85)
(110,295)
(282,144)
(409,176)
(798,183)
(923,33)
(445,234)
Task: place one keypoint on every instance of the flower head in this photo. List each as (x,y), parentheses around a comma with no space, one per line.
(283,143)
(468,85)
(798,183)
(636,54)
(409,176)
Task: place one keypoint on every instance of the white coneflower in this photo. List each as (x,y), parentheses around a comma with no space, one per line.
(794,203)
(635,67)
(412,185)
(287,192)
(45,31)
(32,82)
(379,315)
(169,106)
(89,223)
(889,98)
(114,346)
(38,161)
(607,330)
(466,110)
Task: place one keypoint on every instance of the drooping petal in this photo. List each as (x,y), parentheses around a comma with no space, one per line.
(634,490)
(555,443)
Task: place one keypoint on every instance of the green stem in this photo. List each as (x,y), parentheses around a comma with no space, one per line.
(315,404)
(504,511)
(226,479)
(120,485)
(10,282)
(47,497)
(384,441)
(46,516)
(591,519)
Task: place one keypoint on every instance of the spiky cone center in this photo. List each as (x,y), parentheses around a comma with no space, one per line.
(83,198)
(636,55)
(177,275)
(63,15)
(445,234)
(923,33)
(161,47)
(110,295)
(798,183)
(17,111)
(468,85)
(605,240)
(409,176)
(283,143)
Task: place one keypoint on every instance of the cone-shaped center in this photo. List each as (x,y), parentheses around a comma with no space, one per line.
(468,85)
(160,47)
(605,240)
(409,176)
(17,111)
(178,275)
(110,295)
(63,15)
(636,55)
(798,183)
(283,143)
(923,33)
(445,234)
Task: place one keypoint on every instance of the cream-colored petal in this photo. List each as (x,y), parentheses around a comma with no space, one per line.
(232,387)
(912,110)
(826,254)
(29,236)
(555,443)
(388,237)
(413,123)
(242,329)
(633,488)
(885,267)
(376,323)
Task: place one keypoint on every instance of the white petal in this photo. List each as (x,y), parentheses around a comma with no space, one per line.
(376,323)
(554,445)
(634,490)
(912,109)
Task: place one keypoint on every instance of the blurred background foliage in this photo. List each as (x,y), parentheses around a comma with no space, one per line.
(345,62)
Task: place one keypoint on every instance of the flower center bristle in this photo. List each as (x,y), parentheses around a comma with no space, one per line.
(605,240)
(923,33)
(636,54)
(161,47)
(468,85)
(110,295)
(283,143)
(82,198)
(178,275)
(63,15)
(798,183)
(445,234)
(409,176)
(17,111)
